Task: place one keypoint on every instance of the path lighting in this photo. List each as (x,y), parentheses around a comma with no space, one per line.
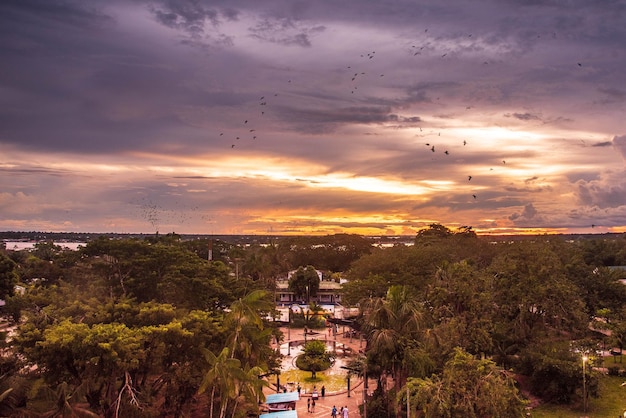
(585,359)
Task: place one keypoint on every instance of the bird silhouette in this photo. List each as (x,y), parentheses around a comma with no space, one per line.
(469,178)
(474,196)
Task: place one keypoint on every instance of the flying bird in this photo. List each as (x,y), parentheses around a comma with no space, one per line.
(474,196)
(446,152)
(469,178)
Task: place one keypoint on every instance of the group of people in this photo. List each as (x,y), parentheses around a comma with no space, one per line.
(343,412)
(310,404)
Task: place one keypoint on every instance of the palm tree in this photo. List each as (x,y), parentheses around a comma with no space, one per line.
(221,378)
(389,323)
(64,403)
(249,390)
(245,312)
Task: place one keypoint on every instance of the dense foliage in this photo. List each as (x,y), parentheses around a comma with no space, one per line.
(507,301)
(150,327)
(138,328)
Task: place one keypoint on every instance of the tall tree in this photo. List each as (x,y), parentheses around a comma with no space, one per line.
(246,313)
(304,282)
(221,376)
(467,388)
(8,276)
(390,324)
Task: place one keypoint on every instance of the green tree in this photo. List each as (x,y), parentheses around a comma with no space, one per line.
(532,293)
(331,252)
(314,357)
(460,301)
(390,323)
(304,282)
(467,387)
(245,319)
(8,276)
(221,376)
(555,372)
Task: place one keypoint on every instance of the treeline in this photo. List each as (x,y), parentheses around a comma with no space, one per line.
(432,311)
(146,327)
(132,328)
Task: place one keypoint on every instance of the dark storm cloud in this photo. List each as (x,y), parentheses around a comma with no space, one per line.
(190,15)
(285,31)
(607,192)
(178,78)
(527,217)
(327,120)
(524,116)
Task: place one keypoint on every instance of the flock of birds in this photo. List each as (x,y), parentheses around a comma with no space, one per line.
(357,75)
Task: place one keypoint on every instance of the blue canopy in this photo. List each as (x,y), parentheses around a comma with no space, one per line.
(281,414)
(281,397)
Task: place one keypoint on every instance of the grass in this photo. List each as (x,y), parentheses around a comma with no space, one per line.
(610,404)
(333,382)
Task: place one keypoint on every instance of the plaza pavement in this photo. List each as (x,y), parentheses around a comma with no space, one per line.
(324,405)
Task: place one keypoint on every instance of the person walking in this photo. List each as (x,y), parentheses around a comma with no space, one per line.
(323,391)
(333,412)
(313,405)
(299,388)
(345,412)
(308,405)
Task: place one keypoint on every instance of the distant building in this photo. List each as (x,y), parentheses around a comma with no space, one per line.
(327,294)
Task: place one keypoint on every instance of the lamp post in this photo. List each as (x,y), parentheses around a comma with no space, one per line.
(289,332)
(585,358)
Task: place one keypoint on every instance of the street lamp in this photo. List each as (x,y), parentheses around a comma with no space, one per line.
(307,294)
(585,358)
(289,332)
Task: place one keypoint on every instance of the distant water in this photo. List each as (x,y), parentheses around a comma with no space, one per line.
(29,245)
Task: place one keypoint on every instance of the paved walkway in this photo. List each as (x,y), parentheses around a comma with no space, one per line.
(324,405)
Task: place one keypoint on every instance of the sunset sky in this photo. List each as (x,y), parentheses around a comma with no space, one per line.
(312,117)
